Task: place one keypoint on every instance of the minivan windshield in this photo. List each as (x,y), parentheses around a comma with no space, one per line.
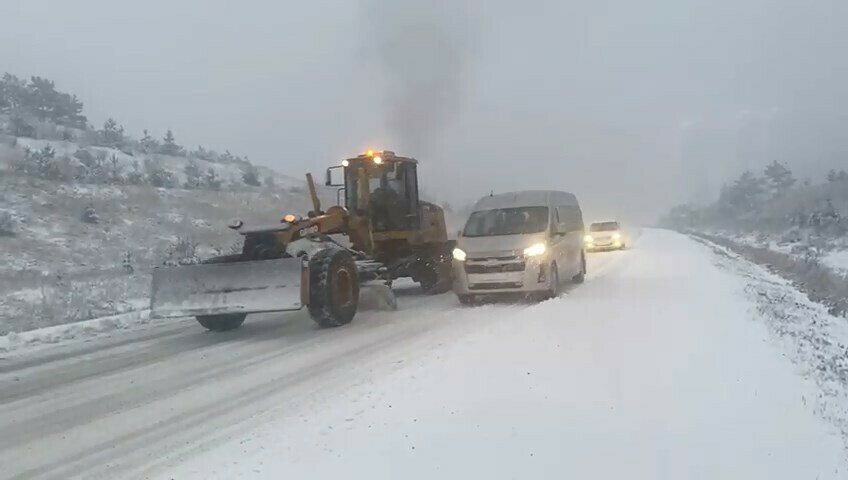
(604,227)
(507,221)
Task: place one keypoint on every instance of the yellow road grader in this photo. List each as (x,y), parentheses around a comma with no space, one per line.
(378,231)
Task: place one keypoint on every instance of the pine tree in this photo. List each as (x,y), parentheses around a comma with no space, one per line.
(779,178)
(250,175)
(169,145)
(112,134)
(745,193)
(148,144)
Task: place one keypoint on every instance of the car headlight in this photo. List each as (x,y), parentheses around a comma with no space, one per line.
(535,250)
(588,239)
(459,255)
(616,236)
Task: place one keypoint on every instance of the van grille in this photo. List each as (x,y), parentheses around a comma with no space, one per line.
(495,268)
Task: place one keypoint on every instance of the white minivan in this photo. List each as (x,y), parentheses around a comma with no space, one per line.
(525,242)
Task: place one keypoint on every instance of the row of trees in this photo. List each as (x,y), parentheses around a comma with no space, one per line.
(774,202)
(29,103)
(38,98)
(97,167)
(35,109)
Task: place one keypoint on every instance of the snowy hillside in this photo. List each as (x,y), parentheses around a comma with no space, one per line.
(71,251)
(86,212)
(228,174)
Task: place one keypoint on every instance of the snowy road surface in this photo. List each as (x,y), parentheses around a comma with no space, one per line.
(657,367)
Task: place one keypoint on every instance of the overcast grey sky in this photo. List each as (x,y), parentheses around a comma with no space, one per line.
(631,104)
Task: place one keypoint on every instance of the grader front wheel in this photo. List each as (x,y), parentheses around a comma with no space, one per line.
(333,288)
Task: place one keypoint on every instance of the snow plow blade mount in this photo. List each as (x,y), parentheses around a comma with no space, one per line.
(222,288)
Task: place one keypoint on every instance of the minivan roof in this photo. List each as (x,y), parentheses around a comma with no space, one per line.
(526,198)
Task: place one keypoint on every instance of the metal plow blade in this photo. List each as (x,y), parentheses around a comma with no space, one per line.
(216,289)
(376,296)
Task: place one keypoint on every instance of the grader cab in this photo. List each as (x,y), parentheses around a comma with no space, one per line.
(301,261)
(388,220)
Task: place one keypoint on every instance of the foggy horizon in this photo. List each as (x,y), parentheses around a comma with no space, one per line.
(632,107)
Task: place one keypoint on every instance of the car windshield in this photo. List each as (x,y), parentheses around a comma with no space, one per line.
(507,221)
(604,227)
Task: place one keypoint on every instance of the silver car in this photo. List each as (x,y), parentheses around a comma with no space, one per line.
(520,242)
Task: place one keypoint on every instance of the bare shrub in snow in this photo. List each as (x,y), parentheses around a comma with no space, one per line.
(65,169)
(193,175)
(127,263)
(89,215)
(212,180)
(157,175)
(183,251)
(136,175)
(7,224)
(37,162)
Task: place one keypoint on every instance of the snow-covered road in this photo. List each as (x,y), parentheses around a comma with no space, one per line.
(657,367)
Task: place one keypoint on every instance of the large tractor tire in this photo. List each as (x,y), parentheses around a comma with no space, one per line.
(333,287)
(222,323)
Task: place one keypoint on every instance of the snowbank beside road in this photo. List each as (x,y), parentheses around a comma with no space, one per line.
(73,331)
(659,368)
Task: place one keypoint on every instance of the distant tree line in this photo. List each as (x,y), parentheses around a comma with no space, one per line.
(34,108)
(773,203)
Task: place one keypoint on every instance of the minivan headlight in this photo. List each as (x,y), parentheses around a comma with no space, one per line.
(616,236)
(459,254)
(535,250)
(588,239)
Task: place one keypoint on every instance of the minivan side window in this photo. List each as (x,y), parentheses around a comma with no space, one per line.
(570,218)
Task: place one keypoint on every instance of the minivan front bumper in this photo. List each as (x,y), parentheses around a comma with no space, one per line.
(493,274)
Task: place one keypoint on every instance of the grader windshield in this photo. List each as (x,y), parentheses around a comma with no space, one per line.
(384,188)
